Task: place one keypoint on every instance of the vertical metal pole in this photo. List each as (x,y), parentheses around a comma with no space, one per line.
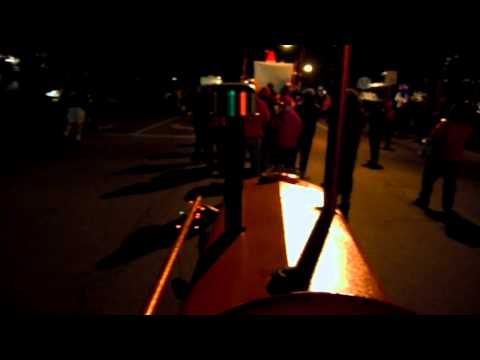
(234,163)
(311,253)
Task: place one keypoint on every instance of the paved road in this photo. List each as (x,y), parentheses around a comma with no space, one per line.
(420,267)
(111,195)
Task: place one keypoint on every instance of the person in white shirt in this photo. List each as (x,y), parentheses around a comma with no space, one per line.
(76,116)
(402,118)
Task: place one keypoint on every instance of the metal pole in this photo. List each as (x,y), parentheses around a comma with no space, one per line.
(308,260)
(234,163)
(298,278)
(162,283)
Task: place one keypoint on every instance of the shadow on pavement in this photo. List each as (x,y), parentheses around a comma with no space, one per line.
(141,243)
(150,169)
(463,230)
(457,227)
(435,215)
(166,156)
(212,190)
(167,180)
(149,239)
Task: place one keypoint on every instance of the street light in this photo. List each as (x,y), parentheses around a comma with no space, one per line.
(12,60)
(287,47)
(308,68)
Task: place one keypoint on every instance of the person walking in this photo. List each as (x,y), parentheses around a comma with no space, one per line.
(445,149)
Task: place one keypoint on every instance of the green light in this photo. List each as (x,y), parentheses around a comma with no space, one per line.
(232,100)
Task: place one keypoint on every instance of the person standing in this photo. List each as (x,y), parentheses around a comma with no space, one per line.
(402,100)
(376,121)
(288,126)
(446,147)
(254,133)
(420,117)
(354,124)
(286,96)
(76,115)
(309,111)
(271,89)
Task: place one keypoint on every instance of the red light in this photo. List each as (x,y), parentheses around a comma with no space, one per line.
(243,103)
(271,56)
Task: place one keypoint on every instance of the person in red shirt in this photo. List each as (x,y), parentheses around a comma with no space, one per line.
(254,134)
(447,145)
(285,96)
(289,127)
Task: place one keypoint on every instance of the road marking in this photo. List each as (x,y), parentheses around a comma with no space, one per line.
(164,136)
(156,125)
(153,136)
(181,127)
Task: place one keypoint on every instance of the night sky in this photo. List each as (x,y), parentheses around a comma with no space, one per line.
(115,59)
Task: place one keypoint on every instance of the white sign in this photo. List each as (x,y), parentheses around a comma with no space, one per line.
(277,74)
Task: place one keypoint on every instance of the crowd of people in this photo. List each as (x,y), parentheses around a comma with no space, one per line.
(280,135)
(444,129)
(280,132)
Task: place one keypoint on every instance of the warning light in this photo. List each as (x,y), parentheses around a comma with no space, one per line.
(232,111)
(231,100)
(243,103)
(271,56)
